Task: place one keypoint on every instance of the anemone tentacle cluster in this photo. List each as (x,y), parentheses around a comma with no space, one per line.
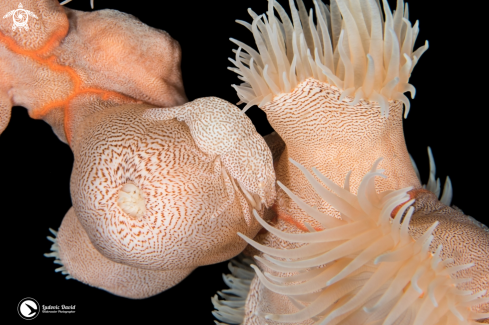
(231,309)
(349,46)
(434,185)
(365,268)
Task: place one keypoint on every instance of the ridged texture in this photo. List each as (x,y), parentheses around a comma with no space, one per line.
(350,46)
(366,268)
(188,173)
(220,129)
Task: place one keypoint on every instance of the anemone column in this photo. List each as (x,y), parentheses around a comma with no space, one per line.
(320,130)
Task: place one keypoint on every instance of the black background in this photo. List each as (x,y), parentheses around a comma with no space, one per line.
(449,114)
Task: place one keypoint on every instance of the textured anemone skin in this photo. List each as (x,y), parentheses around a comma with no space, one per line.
(463,240)
(219,128)
(320,131)
(69,53)
(332,156)
(87,265)
(194,208)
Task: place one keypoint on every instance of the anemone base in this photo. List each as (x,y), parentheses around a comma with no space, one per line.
(83,262)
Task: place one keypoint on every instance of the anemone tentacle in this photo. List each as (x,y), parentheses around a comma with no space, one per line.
(434,186)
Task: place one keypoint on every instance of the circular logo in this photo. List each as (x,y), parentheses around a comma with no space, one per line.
(28,308)
(20,18)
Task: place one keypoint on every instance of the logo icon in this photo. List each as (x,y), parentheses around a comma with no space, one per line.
(20,17)
(28,308)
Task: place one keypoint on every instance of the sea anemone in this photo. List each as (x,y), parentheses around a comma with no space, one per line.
(366,268)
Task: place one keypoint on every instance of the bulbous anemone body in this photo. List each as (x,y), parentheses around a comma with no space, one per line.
(192,208)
